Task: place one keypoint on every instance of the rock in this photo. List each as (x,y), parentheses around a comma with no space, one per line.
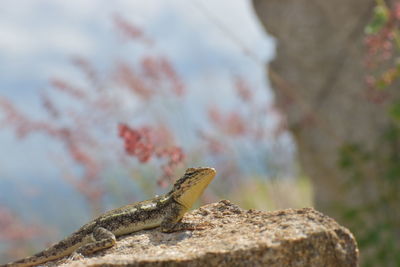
(236,237)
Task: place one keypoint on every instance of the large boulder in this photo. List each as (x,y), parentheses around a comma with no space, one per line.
(236,237)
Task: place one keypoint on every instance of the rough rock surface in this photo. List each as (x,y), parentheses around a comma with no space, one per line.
(235,237)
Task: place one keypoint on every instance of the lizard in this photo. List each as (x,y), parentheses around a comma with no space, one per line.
(165,211)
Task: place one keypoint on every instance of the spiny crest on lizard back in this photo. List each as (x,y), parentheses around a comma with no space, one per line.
(191,185)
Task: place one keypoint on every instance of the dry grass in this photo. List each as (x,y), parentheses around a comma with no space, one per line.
(274,194)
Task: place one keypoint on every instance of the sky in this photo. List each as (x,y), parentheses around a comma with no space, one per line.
(37,37)
(206,43)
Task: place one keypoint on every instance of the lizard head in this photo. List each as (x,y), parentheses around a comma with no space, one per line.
(191,185)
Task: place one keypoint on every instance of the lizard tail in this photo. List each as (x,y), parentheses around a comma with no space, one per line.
(31,261)
(57,251)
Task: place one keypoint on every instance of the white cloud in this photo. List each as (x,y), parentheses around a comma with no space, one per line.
(14,40)
(36,37)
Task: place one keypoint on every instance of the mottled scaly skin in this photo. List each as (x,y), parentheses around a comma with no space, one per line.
(165,212)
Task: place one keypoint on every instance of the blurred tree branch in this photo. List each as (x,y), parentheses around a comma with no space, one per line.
(321,52)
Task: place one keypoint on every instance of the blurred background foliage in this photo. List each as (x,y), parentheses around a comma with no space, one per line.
(335,77)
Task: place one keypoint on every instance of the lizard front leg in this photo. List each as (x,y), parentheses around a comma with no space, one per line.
(103,238)
(172,221)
